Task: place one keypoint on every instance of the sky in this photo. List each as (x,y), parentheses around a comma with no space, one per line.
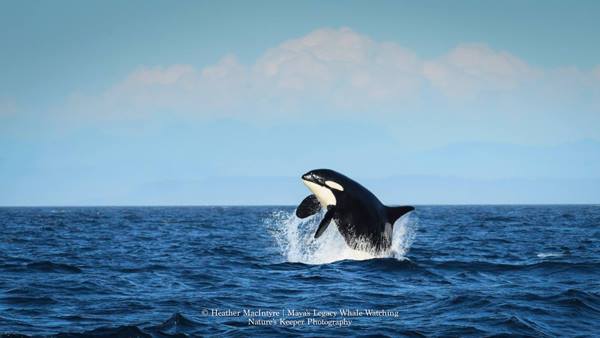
(229,102)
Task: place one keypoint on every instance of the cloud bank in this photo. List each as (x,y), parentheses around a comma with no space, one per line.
(340,70)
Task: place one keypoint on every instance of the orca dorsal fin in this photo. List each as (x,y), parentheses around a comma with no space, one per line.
(393,213)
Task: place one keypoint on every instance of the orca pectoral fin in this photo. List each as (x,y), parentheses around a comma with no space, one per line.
(393,213)
(325,222)
(308,207)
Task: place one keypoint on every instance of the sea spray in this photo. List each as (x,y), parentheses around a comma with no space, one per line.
(405,231)
(295,238)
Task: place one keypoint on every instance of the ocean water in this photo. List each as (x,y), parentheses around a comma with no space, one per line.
(256,271)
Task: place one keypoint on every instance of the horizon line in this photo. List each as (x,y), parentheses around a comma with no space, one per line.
(278,205)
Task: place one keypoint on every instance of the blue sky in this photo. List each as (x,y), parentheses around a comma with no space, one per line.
(143,102)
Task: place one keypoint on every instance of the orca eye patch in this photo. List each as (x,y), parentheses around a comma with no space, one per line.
(334,185)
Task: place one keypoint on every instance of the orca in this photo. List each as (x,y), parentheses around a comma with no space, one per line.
(364,222)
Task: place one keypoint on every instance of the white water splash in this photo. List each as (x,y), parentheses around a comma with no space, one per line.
(295,238)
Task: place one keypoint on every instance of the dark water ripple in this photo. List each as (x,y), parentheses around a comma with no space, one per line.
(153,272)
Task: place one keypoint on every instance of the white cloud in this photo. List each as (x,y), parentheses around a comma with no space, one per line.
(336,69)
(340,66)
(470,69)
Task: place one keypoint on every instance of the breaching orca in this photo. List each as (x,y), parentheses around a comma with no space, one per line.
(361,218)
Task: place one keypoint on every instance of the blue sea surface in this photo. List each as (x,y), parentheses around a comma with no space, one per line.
(256,271)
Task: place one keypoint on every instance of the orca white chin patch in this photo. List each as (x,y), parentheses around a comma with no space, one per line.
(324,195)
(334,185)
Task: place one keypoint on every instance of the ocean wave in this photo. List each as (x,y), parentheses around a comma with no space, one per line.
(177,322)
(549,254)
(28,300)
(523,326)
(491,266)
(144,268)
(578,300)
(176,326)
(47,266)
(125,331)
(500,219)
(382,264)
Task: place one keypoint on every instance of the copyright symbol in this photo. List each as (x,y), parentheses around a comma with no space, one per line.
(205,312)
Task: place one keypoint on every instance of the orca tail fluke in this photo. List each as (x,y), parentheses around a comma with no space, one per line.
(393,213)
